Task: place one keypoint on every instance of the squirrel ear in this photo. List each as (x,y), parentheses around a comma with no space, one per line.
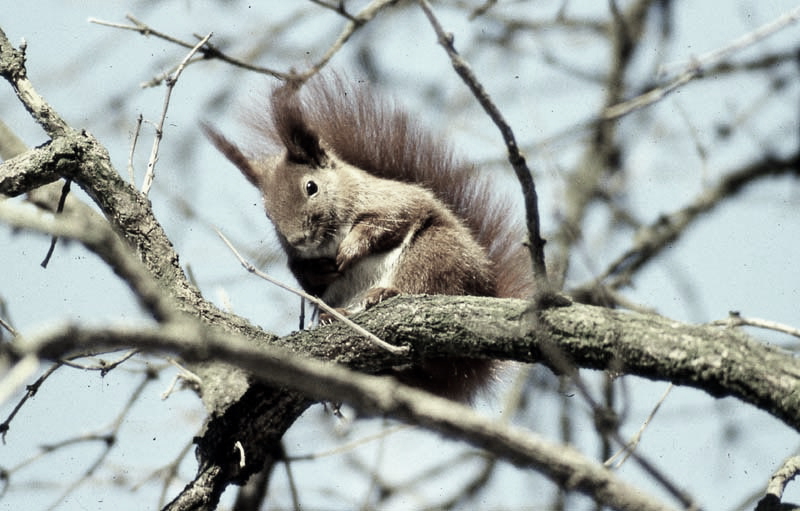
(303,146)
(301,141)
(233,153)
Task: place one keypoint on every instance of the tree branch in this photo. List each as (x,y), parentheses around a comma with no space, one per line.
(370,394)
(720,361)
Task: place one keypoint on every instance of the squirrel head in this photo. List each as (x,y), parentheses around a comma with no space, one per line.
(305,187)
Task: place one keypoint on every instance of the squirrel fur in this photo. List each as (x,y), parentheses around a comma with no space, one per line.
(367,205)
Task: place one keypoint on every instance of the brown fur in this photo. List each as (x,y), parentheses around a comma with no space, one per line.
(462,238)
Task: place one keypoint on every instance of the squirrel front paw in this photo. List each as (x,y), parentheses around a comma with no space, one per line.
(326,318)
(378,294)
(347,255)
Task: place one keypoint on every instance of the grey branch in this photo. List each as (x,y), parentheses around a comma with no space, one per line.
(371,394)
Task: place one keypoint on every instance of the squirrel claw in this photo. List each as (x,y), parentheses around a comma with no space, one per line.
(326,318)
(378,294)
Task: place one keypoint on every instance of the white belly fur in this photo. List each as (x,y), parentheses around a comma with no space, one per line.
(372,271)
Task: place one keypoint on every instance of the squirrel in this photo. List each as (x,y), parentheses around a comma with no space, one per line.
(367,204)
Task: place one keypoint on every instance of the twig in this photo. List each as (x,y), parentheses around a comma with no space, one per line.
(209,51)
(59,209)
(696,66)
(31,391)
(563,365)
(110,440)
(5,324)
(637,437)
(183,374)
(13,380)
(778,482)
(12,68)
(350,446)
(365,15)
(338,8)
(517,160)
(736,319)
(136,133)
(656,237)
(151,165)
(396,350)
(103,366)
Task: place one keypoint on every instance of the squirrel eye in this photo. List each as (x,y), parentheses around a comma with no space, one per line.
(311,188)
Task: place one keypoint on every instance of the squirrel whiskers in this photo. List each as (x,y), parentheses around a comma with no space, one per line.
(367,205)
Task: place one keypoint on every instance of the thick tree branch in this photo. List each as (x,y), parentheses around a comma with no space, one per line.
(719,361)
(377,395)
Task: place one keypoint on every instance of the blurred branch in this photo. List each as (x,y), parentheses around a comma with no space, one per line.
(651,240)
(109,438)
(698,65)
(601,155)
(98,237)
(10,144)
(338,8)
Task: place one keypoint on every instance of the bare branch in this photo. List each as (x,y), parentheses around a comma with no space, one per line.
(656,237)
(355,23)
(697,66)
(171,82)
(777,484)
(517,160)
(736,319)
(379,395)
(12,68)
(209,51)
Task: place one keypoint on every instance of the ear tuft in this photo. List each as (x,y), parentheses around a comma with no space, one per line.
(233,153)
(300,139)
